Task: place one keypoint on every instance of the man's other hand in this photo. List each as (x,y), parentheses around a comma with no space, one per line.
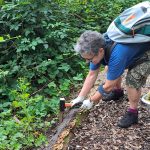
(77,100)
(87,104)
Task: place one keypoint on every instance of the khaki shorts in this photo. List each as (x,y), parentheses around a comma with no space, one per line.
(136,77)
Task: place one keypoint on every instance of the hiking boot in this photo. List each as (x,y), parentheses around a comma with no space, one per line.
(115,95)
(128,119)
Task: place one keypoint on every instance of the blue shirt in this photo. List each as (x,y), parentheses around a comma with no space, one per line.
(122,56)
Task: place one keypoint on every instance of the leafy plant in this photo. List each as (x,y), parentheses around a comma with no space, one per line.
(23,124)
(36,43)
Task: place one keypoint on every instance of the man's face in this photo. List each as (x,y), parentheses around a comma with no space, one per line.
(94,58)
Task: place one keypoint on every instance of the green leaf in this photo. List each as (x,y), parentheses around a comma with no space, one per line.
(64,66)
(46,46)
(16,104)
(79,77)
(42,80)
(52,84)
(40,140)
(1,2)
(2,39)
(39,40)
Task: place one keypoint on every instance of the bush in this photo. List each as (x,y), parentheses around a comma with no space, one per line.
(23,124)
(38,65)
(37,44)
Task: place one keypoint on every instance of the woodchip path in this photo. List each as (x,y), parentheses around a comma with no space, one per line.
(99,131)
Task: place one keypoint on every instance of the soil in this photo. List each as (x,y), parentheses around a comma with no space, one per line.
(99,130)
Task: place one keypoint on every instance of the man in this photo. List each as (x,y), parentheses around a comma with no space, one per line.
(135,57)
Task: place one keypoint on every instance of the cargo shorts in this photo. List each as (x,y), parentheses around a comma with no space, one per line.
(138,74)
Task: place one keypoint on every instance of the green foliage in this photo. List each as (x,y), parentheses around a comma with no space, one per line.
(22,124)
(36,43)
(95,14)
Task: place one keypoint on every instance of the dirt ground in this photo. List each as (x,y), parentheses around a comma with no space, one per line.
(99,130)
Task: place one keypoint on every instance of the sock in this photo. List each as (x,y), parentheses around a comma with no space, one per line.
(118,90)
(135,111)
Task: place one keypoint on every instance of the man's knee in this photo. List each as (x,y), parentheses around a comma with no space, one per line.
(136,77)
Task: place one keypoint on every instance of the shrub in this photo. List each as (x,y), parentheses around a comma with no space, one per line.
(38,65)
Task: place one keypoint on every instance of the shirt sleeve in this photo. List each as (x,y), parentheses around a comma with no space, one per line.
(94,66)
(117,63)
(116,69)
(124,55)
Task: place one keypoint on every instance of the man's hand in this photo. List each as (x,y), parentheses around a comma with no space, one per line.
(77,100)
(87,104)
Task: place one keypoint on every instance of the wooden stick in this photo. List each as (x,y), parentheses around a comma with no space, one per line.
(60,128)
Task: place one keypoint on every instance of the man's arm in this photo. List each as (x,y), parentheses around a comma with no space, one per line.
(108,86)
(89,82)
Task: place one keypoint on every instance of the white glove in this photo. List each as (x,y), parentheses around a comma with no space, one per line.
(77,100)
(87,104)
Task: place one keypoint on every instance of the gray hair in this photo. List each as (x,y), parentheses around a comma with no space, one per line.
(89,41)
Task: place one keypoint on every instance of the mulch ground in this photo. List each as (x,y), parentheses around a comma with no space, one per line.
(99,130)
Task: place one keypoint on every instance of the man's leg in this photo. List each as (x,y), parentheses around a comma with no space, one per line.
(131,116)
(118,85)
(133,96)
(136,78)
(116,93)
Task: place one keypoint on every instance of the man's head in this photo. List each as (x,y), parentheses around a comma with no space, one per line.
(90,46)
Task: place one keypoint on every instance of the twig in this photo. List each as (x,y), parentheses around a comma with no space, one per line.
(39,89)
(79,17)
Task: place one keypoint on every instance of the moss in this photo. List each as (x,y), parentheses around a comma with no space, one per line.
(80,117)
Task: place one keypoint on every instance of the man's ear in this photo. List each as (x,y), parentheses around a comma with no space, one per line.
(101,50)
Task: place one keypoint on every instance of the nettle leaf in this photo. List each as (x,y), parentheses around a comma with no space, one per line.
(18,135)
(28,31)
(60,57)
(6,104)
(64,86)
(5,113)
(35,42)
(39,40)
(52,84)
(15,69)
(25,40)
(3,73)
(23,47)
(62,35)
(53,74)
(15,26)
(24,96)
(42,80)
(40,140)
(16,104)
(46,46)
(64,66)
(79,77)
(2,39)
